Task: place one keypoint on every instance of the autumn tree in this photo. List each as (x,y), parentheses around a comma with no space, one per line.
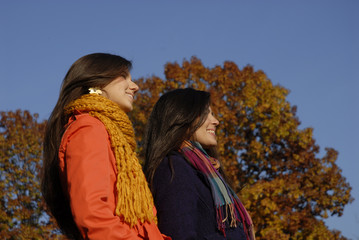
(22,214)
(274,165)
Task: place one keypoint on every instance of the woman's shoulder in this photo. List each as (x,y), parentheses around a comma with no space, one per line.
(174,155)
(176,160)
(84,121)
(84,125)
(174,168)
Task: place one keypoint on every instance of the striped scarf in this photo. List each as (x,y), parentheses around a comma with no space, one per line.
(229,208)
(134,198)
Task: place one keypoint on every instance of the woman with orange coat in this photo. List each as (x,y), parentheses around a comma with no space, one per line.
(92,180)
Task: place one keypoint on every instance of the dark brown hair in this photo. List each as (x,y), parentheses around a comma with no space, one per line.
(93,70)
(174,118)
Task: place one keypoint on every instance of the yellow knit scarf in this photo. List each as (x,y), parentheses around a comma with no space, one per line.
(135,201)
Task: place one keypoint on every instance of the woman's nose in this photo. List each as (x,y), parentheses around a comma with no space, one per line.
(134,86)
(215,121)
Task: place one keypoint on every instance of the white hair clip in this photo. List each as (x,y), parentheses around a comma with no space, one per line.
(95,91)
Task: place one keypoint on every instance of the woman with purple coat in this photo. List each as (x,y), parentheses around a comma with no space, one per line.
(191,195)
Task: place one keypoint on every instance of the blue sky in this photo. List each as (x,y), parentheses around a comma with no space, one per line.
(309,47)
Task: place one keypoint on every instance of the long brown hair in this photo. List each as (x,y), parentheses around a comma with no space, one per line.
(93,70)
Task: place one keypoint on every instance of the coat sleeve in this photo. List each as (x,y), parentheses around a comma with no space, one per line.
(90,182)
(184,204)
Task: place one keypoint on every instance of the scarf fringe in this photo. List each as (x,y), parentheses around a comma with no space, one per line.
(134,198)
(223,196)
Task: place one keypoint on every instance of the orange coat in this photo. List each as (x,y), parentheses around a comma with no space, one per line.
(88,174)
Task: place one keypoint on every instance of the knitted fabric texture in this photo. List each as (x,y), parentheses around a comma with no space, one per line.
(229,208)
(135,201)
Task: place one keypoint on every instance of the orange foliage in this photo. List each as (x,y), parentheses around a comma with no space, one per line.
(272,163)
(22,214)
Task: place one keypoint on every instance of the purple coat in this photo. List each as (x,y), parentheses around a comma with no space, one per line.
(185,207)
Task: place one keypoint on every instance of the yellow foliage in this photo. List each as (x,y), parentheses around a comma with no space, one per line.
(272,164)
(22,213)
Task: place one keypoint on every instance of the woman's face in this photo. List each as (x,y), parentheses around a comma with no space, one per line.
(122,91)
(206,134)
